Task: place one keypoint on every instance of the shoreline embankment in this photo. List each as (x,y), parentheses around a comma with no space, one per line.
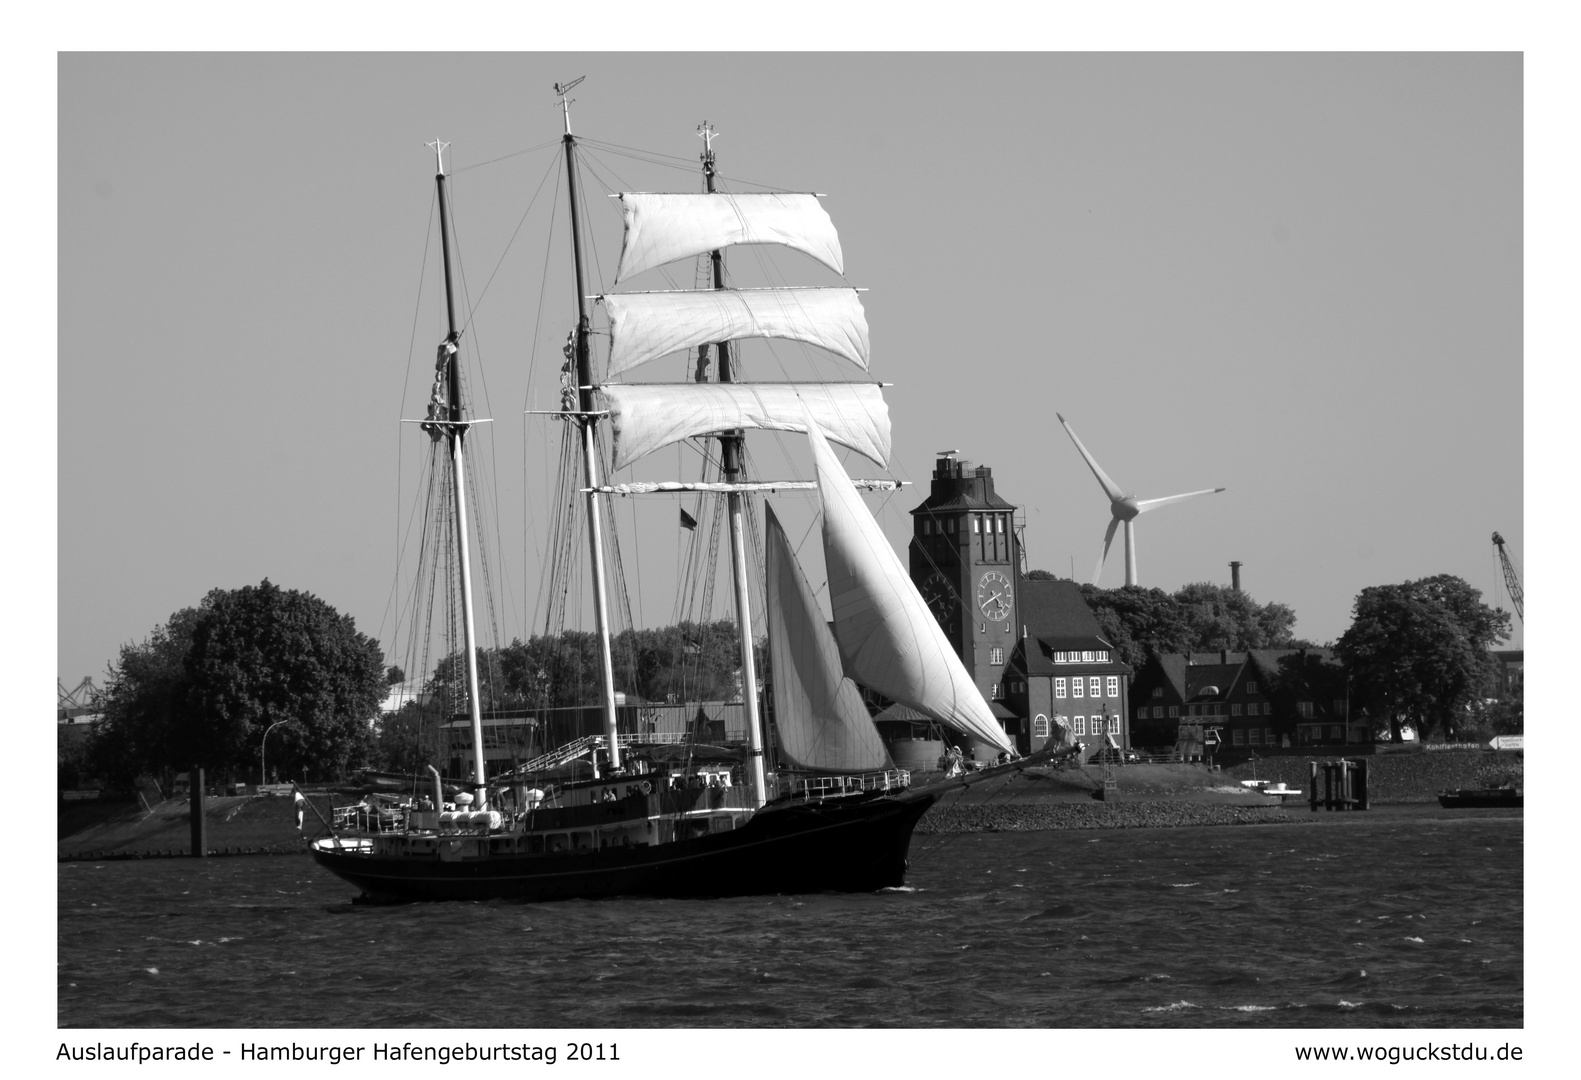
(1146,796)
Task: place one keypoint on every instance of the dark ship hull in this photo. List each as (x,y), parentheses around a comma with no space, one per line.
(855,844)
(1480,798)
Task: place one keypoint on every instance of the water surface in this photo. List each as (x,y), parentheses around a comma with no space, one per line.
(1409,920)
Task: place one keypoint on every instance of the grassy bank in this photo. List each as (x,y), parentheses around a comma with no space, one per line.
(236,825)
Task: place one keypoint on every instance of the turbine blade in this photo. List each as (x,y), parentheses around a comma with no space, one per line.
(1110,488)
(1152,504)
(1108,537)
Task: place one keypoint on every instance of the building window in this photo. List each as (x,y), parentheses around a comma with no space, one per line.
(1114,725)
(1102,656)
(1040,726)
(1112,686)
(1088,656)
(1076,686)
(1158,712)
(1080,727)
(1158,691)
(1256,736)
(1174,712)
(1235,710)
(1239,737)
(1093,685)
(977,523)
(1268,735)
(997,692)
(1059,687)
(996,655)
(1253,709)
(1141,713)
(949,524)
(1251,686)
(1305,709)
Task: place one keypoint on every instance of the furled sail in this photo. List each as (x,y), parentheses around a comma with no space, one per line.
(818,712)
(661,228)
(647,416)
(646,326)
(889,641)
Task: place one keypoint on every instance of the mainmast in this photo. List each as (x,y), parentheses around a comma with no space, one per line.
(456,430)
(587,419)
(730,448)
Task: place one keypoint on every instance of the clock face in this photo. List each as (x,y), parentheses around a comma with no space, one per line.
(939,597)
(993,596)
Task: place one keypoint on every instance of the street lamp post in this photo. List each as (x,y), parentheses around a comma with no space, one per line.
(263,757)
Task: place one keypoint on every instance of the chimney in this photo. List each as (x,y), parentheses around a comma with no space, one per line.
(1224,656)
(1235,576)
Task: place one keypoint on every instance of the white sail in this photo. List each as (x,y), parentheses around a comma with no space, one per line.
(647,416)
(646,326)
(889,641)
(661,228)
(818,712)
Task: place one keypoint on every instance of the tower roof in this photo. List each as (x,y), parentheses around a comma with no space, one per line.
(958,485)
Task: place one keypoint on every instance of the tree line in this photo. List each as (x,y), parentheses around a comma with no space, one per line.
(205,686)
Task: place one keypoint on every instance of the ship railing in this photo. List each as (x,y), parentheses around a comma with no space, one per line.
(820,787)
(587,743)
(358,818)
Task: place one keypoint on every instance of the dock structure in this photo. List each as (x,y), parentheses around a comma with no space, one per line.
(1344,784)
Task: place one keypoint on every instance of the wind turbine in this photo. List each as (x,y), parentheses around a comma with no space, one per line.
(1125,508)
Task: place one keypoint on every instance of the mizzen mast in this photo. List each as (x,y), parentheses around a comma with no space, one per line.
(455,427)
(586,417)
(730,449)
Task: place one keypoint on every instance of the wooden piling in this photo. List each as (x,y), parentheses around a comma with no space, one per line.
(200,825)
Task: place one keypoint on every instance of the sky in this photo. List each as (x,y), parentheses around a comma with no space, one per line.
(1296,276)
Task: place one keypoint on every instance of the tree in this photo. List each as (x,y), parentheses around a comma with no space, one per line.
(144,705)
(204,687)
(1198,617)
(261,654)
(1418,652)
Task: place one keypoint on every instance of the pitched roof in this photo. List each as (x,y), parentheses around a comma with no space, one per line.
(1173,666)
(1053,610)
(1223,676)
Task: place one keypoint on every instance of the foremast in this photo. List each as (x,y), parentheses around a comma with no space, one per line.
(730,452)
(455,427)
(587,419)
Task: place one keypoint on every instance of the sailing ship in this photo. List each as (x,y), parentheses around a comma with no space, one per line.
(834,814)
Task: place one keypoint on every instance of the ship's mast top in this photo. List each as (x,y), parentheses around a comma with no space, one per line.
(439,155)
(565,103)
(706,132)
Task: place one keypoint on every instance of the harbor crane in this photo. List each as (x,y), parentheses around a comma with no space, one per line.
(1511,582)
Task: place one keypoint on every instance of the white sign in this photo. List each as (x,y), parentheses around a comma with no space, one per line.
(1507,742)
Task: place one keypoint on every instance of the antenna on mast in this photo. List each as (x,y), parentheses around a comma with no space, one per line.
(562,89)
(439,154)
(707,133)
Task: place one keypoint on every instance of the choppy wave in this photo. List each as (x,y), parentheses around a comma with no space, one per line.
(1361,926)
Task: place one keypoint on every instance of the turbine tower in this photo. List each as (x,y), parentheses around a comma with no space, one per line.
(1125,508)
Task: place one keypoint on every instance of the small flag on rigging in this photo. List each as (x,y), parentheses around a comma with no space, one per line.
(687,520)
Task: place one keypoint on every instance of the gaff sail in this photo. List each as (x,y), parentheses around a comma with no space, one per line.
(646,326)
(889,640)
(818,712)
(648,416)
(662,228)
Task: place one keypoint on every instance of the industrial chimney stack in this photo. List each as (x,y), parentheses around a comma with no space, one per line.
(1235,576)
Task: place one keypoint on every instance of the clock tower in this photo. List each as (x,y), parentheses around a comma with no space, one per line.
(965,561)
